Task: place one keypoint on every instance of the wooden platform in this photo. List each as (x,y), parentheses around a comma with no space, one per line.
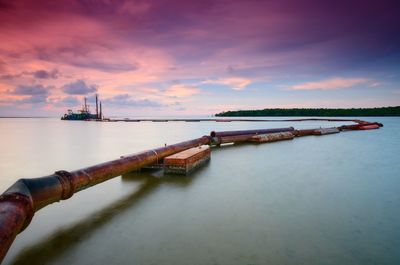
(186,161)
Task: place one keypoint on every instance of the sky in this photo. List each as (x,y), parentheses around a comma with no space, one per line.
(184,57)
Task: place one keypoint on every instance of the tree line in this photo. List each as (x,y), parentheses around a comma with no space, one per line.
(384,111)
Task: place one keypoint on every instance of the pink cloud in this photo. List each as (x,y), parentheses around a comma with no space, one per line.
(236,83)
(331,84)
(181,91)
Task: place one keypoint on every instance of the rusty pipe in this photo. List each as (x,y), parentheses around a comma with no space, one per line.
(306,132)
(19,203)
(359,125)
(232,139)
(246,132)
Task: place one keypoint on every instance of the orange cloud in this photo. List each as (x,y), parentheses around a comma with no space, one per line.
(330,84)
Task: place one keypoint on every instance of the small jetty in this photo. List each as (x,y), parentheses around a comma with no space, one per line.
(19,202)
(187,161)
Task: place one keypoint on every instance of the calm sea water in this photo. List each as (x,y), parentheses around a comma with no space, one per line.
(314,200)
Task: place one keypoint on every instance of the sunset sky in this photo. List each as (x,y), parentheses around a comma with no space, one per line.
(159,57)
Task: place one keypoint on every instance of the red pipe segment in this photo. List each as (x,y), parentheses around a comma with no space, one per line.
(369,127)
(359,126)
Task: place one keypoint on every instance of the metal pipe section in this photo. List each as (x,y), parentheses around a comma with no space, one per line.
(19,203)
(232,139)
(359,126)
(272,137)
(259,131)
(306,132)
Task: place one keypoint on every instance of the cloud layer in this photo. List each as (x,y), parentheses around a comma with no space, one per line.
(224,53)
(329,84)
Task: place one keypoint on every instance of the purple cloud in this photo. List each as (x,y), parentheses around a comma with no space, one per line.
(35,94)
(34,99)
(81,55)
(125,100)
(39,74)
(79,87)
(43,74)
(32,90)
(8,76)
(69,101)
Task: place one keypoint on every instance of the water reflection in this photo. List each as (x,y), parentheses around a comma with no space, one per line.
(51,248)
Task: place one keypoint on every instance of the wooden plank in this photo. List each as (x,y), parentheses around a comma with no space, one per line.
(186,161)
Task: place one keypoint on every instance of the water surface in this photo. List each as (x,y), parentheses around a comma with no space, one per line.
(313,200)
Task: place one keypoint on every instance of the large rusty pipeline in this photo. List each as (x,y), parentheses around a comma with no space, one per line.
(19,203)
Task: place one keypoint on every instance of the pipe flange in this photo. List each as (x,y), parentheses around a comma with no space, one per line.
(67,183)
(24,201)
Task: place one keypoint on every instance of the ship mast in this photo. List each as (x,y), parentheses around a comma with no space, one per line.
(101,112)
(97,107)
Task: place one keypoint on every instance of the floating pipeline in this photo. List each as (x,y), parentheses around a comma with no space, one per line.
(242,136)
(272,137)
(369,127)
(362,125)
(19,203)
(323,131)
(261,131)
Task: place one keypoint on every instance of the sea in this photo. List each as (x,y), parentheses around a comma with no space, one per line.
(332,199)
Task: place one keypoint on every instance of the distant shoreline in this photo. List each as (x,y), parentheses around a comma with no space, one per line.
(317,112)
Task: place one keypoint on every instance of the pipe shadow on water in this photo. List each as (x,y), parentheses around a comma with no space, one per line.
(65,239)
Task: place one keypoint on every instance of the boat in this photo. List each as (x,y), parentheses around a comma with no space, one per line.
(84,113)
